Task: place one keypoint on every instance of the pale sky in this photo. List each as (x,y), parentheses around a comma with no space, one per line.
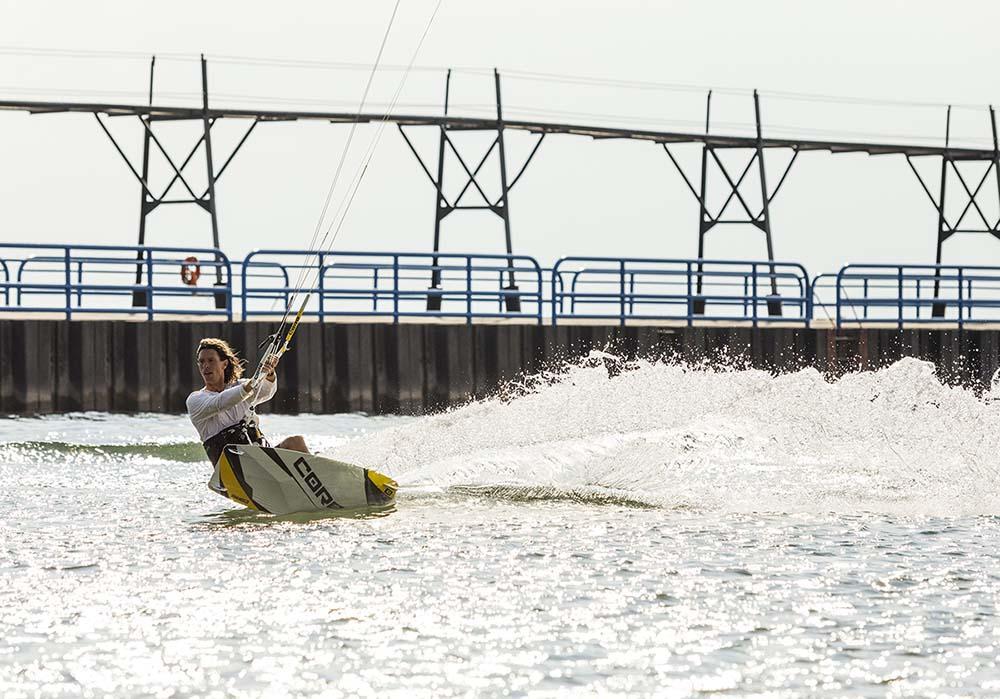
(61,179)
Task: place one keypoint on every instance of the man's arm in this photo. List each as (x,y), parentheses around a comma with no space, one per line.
(204,404)
(268,387)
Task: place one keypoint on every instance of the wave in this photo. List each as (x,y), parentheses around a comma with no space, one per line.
(589,495)
(665,435)
(39,451)
(646,434)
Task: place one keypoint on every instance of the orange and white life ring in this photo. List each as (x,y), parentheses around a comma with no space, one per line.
(190,270)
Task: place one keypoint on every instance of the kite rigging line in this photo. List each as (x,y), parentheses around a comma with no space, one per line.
(276,344)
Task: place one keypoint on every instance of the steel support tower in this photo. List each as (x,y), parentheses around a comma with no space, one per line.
(443,206)
(952,166)
(149,199)
(707,220)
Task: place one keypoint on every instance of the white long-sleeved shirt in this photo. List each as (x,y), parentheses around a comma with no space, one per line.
(212,412)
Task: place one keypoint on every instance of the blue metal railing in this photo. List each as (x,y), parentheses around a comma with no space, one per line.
(445,285)
(6,280)
(45,263)
(686,290)
(103,271)
(903,293)
(259,270)
(48,264)
(80,279)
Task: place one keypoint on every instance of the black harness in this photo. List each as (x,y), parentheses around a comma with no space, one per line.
(242,432)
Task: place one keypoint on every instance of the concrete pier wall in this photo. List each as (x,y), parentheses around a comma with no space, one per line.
(54,366)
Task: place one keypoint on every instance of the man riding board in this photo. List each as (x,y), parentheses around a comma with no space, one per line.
(222,411)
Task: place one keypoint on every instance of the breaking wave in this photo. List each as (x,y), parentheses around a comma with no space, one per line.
(893,441)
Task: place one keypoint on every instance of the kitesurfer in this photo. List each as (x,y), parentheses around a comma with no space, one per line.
(222,410)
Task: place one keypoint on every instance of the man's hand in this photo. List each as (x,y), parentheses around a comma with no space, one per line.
(269,364)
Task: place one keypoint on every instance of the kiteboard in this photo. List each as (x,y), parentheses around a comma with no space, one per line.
(282,481)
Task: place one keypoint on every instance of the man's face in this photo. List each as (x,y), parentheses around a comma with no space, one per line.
(211,366)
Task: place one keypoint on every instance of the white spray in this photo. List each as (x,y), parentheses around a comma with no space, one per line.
(894,440)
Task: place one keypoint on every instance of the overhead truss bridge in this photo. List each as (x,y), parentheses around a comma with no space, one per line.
(735,188)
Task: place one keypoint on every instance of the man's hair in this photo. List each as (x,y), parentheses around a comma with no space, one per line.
(234,369)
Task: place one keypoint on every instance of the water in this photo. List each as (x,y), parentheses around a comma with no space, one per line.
(665,531)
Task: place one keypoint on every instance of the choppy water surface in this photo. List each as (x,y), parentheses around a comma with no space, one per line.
(665,531)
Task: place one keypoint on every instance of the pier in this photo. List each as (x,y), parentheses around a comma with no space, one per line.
(56,366)
(113,327)
(411,333)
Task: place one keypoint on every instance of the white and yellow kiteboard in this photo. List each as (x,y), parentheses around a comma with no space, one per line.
(282,481)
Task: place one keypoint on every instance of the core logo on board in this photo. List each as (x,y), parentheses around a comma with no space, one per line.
(312,480)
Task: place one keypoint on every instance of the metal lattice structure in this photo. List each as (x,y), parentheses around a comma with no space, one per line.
(499,206)
(761,219)
(711,144)
(950,170)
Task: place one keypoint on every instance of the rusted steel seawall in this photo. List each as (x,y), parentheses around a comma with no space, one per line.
(56,366)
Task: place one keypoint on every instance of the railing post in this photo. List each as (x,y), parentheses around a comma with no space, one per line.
(899,286)
(468,290)
(810,294)
(961,298)
(556,301)
(690,309)
(621,291)
(229,289)
(864,292)
(540,286)
(631,293)
(243,288)
(284,274)
(149,284)
(754,278)
(69,283)
(79,282)
(971,301)
(375,295)
(395,289)
(839,276)
(806,304)
(321,286)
